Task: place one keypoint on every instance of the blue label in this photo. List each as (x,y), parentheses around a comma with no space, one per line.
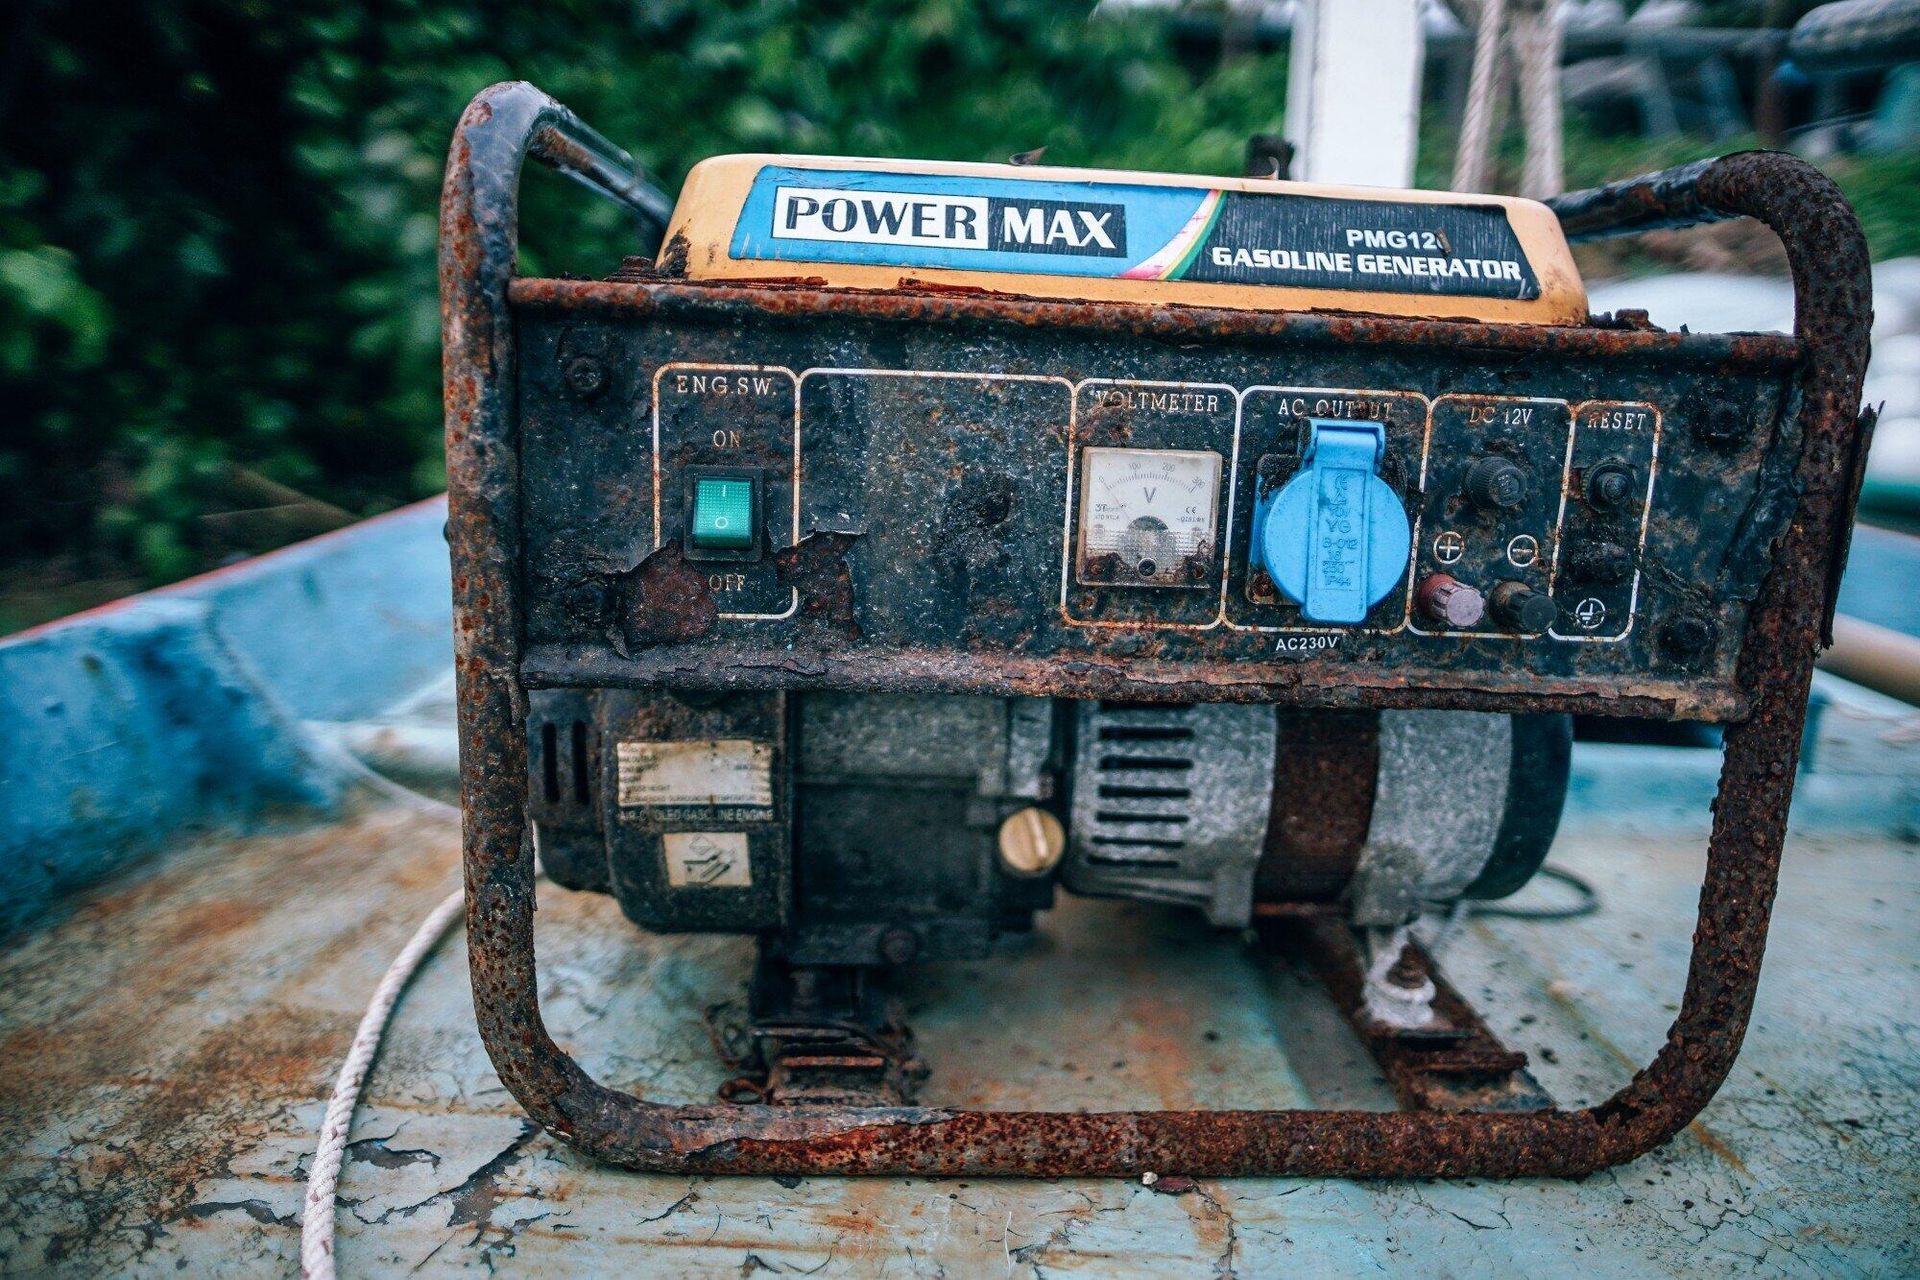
(981,224)
(1114,230)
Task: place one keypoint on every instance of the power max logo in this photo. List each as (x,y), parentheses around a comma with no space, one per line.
(986,224)
(1129,231)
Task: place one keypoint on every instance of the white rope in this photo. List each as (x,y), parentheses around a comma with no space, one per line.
(1536,34)
(1471,162)
(1527,34)
(323,1176)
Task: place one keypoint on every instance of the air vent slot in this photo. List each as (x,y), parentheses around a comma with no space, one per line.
(1145,732)
(1115,791)
(1136,817)
(550,763)
(1167,764)
(580,777)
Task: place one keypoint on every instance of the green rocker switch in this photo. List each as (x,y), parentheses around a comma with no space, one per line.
(723,514)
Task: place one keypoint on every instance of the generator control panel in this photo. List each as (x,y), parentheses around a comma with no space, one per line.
(976,491)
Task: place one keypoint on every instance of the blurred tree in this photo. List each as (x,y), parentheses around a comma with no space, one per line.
(217,217)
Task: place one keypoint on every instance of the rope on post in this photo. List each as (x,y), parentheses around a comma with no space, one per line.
(1529,33)
(1472,162)
(1536,33)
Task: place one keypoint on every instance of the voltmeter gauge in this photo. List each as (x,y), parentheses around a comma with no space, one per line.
(1147,517)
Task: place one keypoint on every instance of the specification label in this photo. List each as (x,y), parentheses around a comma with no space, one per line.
(707,773)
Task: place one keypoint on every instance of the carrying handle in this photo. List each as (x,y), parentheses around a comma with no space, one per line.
(573,148)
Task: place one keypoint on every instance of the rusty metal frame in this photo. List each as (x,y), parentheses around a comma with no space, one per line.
(1828,257)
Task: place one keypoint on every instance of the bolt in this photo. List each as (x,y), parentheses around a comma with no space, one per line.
(898,945)
(1406,970)
(1687,635)
(1722,425)
(586,377)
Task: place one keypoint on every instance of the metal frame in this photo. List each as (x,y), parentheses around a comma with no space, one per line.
(1828,256)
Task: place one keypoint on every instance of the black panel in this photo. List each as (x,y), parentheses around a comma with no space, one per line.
(943,454)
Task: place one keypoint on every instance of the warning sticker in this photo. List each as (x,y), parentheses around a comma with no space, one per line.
(704,772)
(710,859)
(1050,227)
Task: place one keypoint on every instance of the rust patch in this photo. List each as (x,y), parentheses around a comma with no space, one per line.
(1459,1066)
(182,1125)
(1322,807)
(664,599)
(816,567)
(1172,322)
(213,919)
(84,1000)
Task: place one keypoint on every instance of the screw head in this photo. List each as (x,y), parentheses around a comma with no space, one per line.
(1721,426)
(586,377)
(898,945)
(1031,841)
(1687,635)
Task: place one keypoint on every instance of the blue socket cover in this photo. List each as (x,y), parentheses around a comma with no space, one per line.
(1335,538)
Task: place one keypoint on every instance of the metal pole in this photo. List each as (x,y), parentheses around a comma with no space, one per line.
(1353,91)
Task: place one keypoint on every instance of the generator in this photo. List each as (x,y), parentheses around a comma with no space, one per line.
(899,545)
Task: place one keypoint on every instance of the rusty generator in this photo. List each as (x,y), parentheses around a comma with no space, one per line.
(903,544)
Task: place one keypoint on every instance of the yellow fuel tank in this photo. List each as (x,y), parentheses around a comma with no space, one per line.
(1107,235)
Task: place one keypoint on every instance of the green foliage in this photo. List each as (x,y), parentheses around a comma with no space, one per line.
(1885,191)
(217,217)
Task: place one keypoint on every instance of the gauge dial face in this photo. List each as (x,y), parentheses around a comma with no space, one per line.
(1147,517)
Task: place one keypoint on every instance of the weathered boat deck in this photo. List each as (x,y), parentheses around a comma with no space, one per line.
(169,1031)
(169,1045)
